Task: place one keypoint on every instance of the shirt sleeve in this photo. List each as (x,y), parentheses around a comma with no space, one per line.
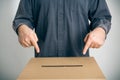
(24,15)
(99,15)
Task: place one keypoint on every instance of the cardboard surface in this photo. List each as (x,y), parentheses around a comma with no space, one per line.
(70,68)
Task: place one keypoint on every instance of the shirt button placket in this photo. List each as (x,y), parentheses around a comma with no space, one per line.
(60,28)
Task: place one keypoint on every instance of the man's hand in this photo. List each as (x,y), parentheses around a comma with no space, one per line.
(94,39)
(27,37)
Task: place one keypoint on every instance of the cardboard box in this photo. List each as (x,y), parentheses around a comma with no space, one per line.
(70,68)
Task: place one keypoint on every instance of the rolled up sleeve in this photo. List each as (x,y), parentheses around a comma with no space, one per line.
(99,15)
(23,15)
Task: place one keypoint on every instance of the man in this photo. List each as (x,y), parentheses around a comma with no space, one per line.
(63,28)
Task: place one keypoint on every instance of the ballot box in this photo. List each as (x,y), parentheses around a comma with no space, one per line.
(62,68)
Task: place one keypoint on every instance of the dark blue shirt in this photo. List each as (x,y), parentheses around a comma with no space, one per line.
(61,25)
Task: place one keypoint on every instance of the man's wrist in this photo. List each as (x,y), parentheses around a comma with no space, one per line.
(100,29)
(21,28)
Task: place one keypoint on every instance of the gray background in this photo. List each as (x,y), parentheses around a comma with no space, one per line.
(13,57)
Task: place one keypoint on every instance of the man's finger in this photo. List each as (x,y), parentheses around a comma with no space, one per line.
(86,38)
(92,45)
(35,36)
(87,45)
(34,43)
(27,42)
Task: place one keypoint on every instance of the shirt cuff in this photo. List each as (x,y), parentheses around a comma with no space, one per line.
(18,23)
(103,23)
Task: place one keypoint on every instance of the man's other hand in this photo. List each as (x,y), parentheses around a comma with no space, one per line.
(94,39)
(27,37)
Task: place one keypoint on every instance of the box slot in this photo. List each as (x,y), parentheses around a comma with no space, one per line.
(61,65)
